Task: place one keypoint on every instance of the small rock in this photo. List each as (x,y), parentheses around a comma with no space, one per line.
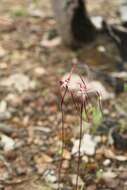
(121,158)
(8,188)
(4,113)
(101,49)
(66,154)
(125,183)
(2,52)
(65,164)
(123,175)
(108,153)
(122,74)
(123,12)
(5,21)
(91,187)
(104,139)
(5,116)
(39,71)
(57,186)
(21,171)
(42,162)
(6,129)
(36,13)
(46,158)
(97,21)
(49,176)
(112,183)
(85,159)
(98,156)
(97,139)
(3,65)
(7,143)
(4,174)
(19,82)
(13,99)
(109,175)
(88,146)
(51,43)
(73,180)
(10,155)
(21,167)
(42,129)
(106,162)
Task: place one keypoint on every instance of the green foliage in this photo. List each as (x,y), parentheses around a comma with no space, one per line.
(19,12)
(122,126)
(99,173)
(36,1)
(66,4)
(95,115)
(125,87)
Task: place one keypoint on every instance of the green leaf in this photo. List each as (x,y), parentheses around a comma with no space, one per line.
(125,87)
(97,116)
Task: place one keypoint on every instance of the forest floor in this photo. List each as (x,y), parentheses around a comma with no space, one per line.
(32,62)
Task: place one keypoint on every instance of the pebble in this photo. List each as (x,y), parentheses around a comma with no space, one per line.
(73,180)
(107,162)
(91,187)
(85,159)
(109,175)
(123,175)
(97,139)
(2,52)
(65,164)
(19,82)
(39,71)
(97,21)
(88,145)
(103,139)
(101,49)
(66,154)
(7,143)
(4,113)
(10,155)
(49,176)
(112,183)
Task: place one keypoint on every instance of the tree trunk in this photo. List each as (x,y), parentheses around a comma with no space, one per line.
(73,22)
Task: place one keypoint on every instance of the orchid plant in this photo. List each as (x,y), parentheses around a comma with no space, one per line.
(80,92)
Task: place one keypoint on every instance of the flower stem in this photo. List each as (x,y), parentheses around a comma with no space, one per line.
(80,139)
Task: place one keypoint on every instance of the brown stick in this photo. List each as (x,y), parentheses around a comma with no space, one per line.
(63,140)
